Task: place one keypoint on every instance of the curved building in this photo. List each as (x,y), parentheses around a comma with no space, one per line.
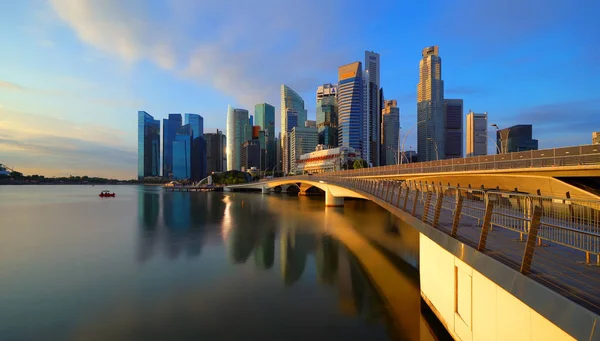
(237,120)
(291,103)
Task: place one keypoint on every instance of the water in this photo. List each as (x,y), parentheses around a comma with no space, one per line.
(154,265)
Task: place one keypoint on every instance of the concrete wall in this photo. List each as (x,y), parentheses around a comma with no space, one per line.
(473,307)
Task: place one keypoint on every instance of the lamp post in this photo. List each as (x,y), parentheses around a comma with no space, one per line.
(437,156)
(503,144)
(494,142)
(405,136)
(396,153)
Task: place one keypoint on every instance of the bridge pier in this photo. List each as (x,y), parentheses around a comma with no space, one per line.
(265,190)
(227,189)
(331,201)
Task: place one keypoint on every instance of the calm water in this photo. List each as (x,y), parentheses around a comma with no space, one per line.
(149,265)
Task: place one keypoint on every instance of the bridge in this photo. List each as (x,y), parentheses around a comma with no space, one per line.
(492,259)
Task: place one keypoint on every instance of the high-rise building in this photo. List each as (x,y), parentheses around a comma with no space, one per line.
(310,124)
(373,108)
(351,107)
(216,152)
(182,153)
(250,154)
(596,137)
(292,122)
(302,140)
(198,155)
(453,135)
(170,127)
(477,135)
(327,111)
(148,145)
(237,120)
(517,138)
(291,102)
(264,116)
(430,106)
(251,120)
(391,131)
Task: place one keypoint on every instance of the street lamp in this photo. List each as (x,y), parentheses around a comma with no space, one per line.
(494,142)
(396,154)
(405,136)
(503,143)
(437,156)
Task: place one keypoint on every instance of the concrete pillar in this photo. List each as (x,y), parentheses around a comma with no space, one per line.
(227,189)
(331,201)
(265,190)
(284,188)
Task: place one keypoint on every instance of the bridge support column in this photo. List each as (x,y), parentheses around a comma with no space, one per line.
(331,201)
(227,189)
(265,190)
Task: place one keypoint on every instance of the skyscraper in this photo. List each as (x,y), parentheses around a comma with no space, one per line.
(291,102)
(291,122)
(198,155)
(237,120)
(148,145)
(170,127)
(216,152)
(302,140)
(264,116)
(373,107)
(391,131)
(477,135)
(327,111)
(430,106)
(182,153)
(350,106)
(596,137)
(453,131)
(517,138)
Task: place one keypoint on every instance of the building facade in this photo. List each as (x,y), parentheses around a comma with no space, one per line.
(373,108)
(453,131)
(596,137)
(237,120)
(216,152)
(477,135)
(327,112)
(264,116)
(291,104)
(148,145)
(170,127)
(430,106)
(325,160)
(391,132)
(250,155)
(198,156)
(351,106)
(182,153)
(517,138)
(302,140)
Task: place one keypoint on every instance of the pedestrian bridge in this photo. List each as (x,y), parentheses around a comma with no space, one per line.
(493,264)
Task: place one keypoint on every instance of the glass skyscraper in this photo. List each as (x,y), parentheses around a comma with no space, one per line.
(327,112)
(351,106)
(453,128)
(148,145)
(391,132)
(216,152)
(264,117)
(290,102)
(517,138)
(170,127)
(430,106)
(182,153)
(237,120)
(373,108)
(196,123)
(477,135)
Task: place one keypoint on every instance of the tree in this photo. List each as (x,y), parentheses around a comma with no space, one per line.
(360,163)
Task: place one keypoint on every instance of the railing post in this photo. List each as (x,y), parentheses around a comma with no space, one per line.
(399,195)
(426,206)
(571,213)
(406,198)
(531,238)
(485,228)
(438,207)
(387,190)
(457,212)
(414,208)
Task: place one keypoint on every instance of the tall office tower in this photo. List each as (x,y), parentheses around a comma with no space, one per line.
(216,152)
(237,120)
(373,107)
(430,106)
(302,140)
(517,138)
(170,127)
(148,145)
(264,116)
(278,145)
(350,107)
(453,134)
(310,124)
(291,122)
(477,135)
(596,137)
(196,123)
(182,153)
(251,120)
(391,131)
(327,111)
(290,102)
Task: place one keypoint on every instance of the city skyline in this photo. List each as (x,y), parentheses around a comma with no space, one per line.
(72,111)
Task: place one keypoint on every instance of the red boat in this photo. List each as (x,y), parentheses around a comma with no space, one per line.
(105,194)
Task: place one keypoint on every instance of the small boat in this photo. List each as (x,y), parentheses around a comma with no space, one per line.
(106,193)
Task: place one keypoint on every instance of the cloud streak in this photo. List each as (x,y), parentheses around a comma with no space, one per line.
(11,86)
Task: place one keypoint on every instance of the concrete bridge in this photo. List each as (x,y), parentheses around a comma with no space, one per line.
(494,263)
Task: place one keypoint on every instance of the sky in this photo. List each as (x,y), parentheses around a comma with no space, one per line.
(74,73)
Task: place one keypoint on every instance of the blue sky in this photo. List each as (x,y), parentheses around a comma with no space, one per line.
(74,73)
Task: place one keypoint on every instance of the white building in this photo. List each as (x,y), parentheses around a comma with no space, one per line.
(325,160)
(302,139)
(596,137)
(477,134)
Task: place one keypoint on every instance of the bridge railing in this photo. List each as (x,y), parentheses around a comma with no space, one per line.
(568,156)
